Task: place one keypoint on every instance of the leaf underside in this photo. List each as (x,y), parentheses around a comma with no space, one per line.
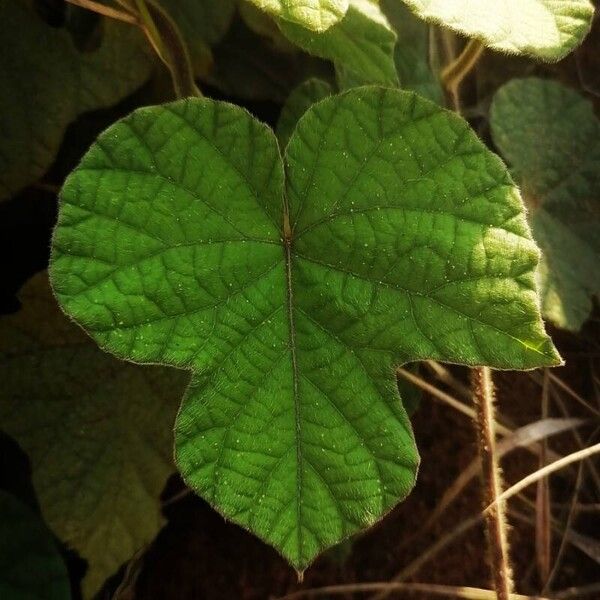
(397,237)
(46,82)
(98,432)
(544,29)
(551,136)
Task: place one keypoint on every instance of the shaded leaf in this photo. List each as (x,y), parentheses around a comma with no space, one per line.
(361,45)
(545,29)
(298,102)
(46,82)
(400,237)
(249,66)
(550,135)
(31,567)
(98,432)
(411,54)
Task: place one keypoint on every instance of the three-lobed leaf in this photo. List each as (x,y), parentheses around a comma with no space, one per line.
(98,432)
(544,29)
(551,137)
(31,567)
(394,236)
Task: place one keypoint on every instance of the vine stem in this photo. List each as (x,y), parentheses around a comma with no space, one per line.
(106,11)
(483,395)
(453,74)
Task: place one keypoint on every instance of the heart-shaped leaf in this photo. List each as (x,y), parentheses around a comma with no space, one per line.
(397,237)
(98,432)
(551,136)
(30,566)
(46,82)
(544,29)
(316,15)
(361,45)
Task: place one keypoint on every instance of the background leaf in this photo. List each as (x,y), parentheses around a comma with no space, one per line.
(30,566)
(98,432)
(407,241)
(298,102)
(361,45)
(411,53)
(316,15)
(551,136)
(46,82)
(544,29)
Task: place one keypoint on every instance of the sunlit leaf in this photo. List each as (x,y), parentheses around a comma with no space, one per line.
(400,237)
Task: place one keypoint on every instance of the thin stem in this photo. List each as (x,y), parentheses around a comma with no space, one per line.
(483,395)
(453,74)
(106,11)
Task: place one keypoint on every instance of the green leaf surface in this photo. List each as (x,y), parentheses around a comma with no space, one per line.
(31,567)
(98,432)
(397,237)
(316,15)
(298,102)
(411,53)
(361,45)
(551,137)
(46,82)
(544,29)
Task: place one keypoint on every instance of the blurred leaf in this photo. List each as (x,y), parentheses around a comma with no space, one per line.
(98,432)
(298,102)
(31,567)
(316,15)
(361,45)
(551,137)
(411,53)
(544,29)
(249,66)
(46,82)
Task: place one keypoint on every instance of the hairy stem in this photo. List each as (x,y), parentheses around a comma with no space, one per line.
(483,395)
(453,74)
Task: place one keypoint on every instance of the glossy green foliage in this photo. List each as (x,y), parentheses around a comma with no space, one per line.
(30,566)
(46,82)
(544,29)
(551,137)
(394,236)
(361,45)
(98,432)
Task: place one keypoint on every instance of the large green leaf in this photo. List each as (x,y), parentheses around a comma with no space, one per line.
(98,432)
(361,45)
(46,82)
(397,237)
(30,566)
(545,29)
(316,15)
(550,135)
